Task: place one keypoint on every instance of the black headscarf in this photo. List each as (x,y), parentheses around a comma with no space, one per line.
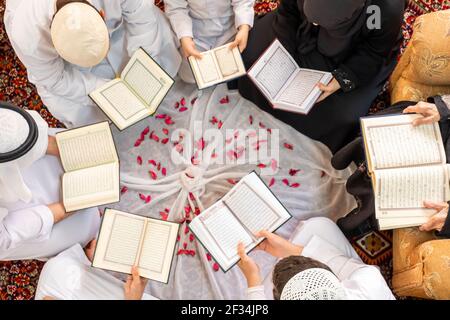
(338,23)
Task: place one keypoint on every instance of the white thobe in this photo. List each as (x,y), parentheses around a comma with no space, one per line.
(323,241)
(211,23)
(64,87)
(69,276)
(27,230)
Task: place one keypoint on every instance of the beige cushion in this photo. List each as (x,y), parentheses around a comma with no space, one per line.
(424,69)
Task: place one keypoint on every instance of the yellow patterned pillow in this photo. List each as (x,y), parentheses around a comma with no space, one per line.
(424,69)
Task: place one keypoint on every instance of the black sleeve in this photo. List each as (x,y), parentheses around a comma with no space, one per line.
(286,24)
(445,232)
(371,54)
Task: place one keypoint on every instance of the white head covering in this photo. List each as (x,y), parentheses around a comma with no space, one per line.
(14,130)
(313,284)
(80,34)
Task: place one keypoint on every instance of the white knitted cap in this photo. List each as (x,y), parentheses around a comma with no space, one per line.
(313,284)
(14,130)
(80,35)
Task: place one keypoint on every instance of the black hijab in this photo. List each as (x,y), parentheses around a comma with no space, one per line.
(339,21)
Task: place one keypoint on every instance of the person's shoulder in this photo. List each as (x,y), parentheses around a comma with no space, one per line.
(26,24)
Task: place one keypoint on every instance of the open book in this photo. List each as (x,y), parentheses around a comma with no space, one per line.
(138,92)
(407,165)
(127,240)
(247,208)
(287,86)
(91,166)
(216,66)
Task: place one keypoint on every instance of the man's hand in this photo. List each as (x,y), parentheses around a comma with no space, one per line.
(429,112)
(189,49)
(249,268)
(328,90)
(52,148)
(277,246)
(437,221)
(135,285)
(58,211)
(241,38)
(89,250)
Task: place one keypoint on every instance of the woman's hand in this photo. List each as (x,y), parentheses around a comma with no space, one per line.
(277,246)
(437,221)
(328,90)
(89,250)
(52,148)
(189,49)
(241,38)
(135,285)
(249,268)
(429,112)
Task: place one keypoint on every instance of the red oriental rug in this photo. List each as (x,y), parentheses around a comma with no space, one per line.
(18,279)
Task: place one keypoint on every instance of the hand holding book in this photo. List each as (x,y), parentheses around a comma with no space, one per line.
(437,221)
(328,90)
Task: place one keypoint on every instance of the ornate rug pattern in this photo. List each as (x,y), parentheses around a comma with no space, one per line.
(18,279)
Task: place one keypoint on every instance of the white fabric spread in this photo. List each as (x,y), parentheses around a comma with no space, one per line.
(302,178)
(12,185)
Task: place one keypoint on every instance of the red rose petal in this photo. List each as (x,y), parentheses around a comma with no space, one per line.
(142,196)
(262,125)
(164,171)
(295,185)
(183,102)
(178,237)
(164,215)
(272,182)
(209,257)
(293,172)
(220,124)
(161,116)
(269,131)
(138,142)
(165,140)
(250,119)
(288,146)
(153,174)
(139,160)
(158,166)
(165,131)
(184,245)
(169,121)
(261,166)
(191,237)
(231,181)
(153,162)
(193,101)
(225,100)
(286,182)
(183,109)
(186,230)
(177,104)
(123,190)
(148,199)
(145,131)
(216,267)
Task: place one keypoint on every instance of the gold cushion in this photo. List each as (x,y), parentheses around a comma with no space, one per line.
(424,69)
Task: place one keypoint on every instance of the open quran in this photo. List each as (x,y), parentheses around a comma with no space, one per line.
(408,166)
(247,208)
(218,65)
(287,86)
(128,240)
(91,165)
(139,91)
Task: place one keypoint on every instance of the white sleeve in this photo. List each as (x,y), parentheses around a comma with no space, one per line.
(33,223)
(256,293)
(361,280)
(244,12)
(178,13)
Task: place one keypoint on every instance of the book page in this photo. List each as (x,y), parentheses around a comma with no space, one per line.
(119,241)
(302,86)
(274,69)
(251,209)
(143,82)
(206,67)
(408,188)
(226,60)
(396,223)
(225,229)
(122,100)
(86,147)
(402,145)
(91,186)
(124,240)
(155,247)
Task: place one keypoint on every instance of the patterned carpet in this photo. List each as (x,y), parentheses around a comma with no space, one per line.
(18,279)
